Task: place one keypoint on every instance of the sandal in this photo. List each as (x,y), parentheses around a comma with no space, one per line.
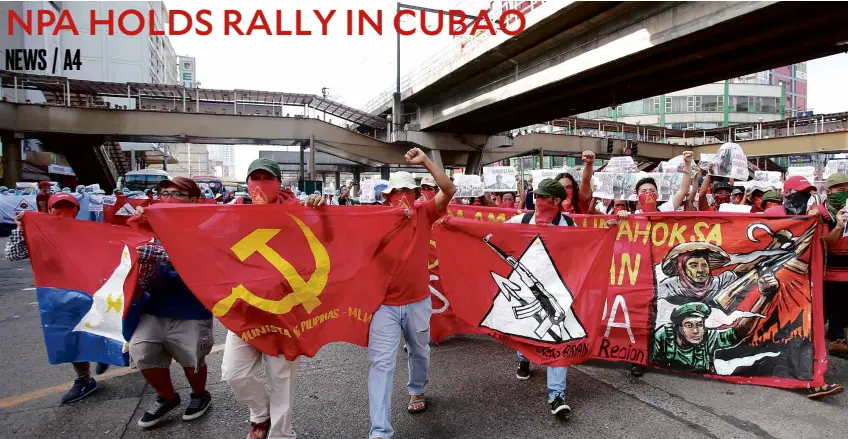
(417,404)
(825,390)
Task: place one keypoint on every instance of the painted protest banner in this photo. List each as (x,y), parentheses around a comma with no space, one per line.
(726,298)
(11,205)
(500,179)
(468,186)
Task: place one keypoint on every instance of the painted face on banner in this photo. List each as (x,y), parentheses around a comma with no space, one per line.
(698,270)
(692,330)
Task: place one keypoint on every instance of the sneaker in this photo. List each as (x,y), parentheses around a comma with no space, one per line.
(637,370)
(559,406)
(158,410)
(101,368)
(523,372)
(198,405)
(80,390)
(259,430)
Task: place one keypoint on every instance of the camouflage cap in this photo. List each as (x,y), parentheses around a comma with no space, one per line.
(550,188)
(696,309)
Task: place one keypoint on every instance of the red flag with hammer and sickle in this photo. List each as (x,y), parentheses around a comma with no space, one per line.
(285,278)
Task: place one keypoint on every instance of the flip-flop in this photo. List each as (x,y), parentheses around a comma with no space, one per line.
(825,390)
(421,403)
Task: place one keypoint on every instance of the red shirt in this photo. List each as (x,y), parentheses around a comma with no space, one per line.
(411,280)
(42,198)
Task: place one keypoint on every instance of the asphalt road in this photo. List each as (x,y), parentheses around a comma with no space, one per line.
(473,394)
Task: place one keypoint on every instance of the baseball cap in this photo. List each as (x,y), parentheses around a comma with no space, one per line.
(797,183)
(183,184)
(44,184)
(771,195)
(62,196)
(267,165)
(835,179)
(550,188)
(428,181)
(737,191)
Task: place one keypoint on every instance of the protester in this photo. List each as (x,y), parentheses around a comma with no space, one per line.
(270,413)
(721,194)
(797,192)
(549,212)
(507,201)
(755,200)
(407,307)
(737,196)
(770,199)
(43,196)
(429,188)
(528,193)
(646,191)
(65,206)
(174,324)
(344,196)
(80,191)
(833,213)
(4,190)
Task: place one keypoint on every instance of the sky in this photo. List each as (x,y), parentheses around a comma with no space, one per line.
(356,68)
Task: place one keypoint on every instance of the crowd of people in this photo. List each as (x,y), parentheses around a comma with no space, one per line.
(176,326)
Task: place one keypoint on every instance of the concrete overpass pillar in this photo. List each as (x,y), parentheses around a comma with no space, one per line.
(436,156)
(312,175)
(475,163)
(355,190)
(397,113)
(338,180)
(300,172)
(541,158)
(11,159)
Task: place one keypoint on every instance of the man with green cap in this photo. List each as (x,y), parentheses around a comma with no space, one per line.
(548,212)
(685,344)
(270,412)
(264,179)
(771,198)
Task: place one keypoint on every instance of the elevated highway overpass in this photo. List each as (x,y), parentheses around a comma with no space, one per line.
(590,55)
(78,132)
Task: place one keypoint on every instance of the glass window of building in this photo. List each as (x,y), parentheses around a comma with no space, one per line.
(720,103)
(668,105)
(710,103)
(693,103)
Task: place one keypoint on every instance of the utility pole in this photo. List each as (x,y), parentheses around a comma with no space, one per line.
(397,104)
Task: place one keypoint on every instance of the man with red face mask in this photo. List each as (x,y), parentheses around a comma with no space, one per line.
(62,205)
(263,184)
(43,196)
(270,413)
(407,308)
(549,196)
(174,325)
(429,189)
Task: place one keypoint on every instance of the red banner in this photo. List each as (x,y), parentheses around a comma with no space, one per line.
(285,278)
(123,209)
(536,289)
(731,297)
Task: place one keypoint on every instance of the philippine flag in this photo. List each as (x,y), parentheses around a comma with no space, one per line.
(85,276)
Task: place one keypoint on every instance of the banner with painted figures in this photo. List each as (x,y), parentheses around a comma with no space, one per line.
(727,298)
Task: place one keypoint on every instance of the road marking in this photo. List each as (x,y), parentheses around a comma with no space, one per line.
(62,388)
(28,289)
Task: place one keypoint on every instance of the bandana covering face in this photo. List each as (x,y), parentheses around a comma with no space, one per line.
(402,200)
(546,211)
(64,212)
(836,201)
(507,204)
(428,195)
(756,205)
(617,209)
(796,203)
(263,191)
(648,202)
(724,198)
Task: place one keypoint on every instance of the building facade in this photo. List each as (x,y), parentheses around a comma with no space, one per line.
(225,154)
(759,97)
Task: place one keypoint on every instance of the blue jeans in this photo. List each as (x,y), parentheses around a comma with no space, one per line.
(557,377)
(413,321)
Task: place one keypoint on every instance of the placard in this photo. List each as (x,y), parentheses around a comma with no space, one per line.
(469,186)
(621,164)
(807,172)
(500,179)
(771,177)
(541,174)
(730,162)
(838,166)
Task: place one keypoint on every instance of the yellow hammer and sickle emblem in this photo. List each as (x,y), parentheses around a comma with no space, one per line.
(303,292)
